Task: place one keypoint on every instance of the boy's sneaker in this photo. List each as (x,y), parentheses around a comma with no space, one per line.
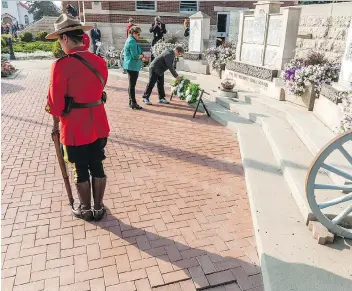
(163,101)
(146,101)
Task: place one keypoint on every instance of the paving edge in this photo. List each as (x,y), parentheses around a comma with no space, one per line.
(290,258)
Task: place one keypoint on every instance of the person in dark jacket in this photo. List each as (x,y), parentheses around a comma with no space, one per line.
(157,68)
(95,35)
(158,29)
(186,25)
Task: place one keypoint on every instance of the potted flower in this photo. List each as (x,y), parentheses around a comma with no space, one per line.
(305,77)
(217,57)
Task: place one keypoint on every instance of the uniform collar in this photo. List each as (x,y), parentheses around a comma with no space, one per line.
(76,49)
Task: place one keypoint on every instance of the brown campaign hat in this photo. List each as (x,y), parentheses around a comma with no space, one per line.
(67,23)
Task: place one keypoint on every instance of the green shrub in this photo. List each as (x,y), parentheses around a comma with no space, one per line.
(57,50)
(26,37)
(4,38)
(4,47)
(41,35)
(30,47)
(3,43)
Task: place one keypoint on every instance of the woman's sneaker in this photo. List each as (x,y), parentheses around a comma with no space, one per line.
(163,101)
(146,101)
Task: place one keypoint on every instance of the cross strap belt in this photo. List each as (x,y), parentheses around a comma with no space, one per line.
(86,105)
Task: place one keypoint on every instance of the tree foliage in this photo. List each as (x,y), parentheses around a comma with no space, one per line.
(42,8)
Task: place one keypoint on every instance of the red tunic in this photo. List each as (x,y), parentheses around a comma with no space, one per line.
(86,41)
(70,76)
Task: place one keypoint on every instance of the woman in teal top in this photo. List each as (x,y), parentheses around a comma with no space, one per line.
(133,63)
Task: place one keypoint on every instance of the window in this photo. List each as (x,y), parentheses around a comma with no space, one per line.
(145,5)
(96,3)
(188,6)
(26,20)
(5,4)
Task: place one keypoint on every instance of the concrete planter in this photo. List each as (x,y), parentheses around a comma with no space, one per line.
(306,100)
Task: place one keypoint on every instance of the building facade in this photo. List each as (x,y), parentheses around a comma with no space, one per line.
(111,16)
(15,12)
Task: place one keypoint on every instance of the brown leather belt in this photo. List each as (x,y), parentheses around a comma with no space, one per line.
(86,105)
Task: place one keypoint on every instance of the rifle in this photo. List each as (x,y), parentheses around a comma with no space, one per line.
(56,138)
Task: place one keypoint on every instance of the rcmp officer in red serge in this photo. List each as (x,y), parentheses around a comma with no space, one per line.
(76,101)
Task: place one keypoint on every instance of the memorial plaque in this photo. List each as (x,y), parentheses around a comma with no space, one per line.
(251,53)
(234,26)
(274,30)
(248,29)
(271,53)
(254,29)
(259,26)
(195,39)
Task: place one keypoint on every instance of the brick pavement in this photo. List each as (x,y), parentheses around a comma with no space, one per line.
(178,213)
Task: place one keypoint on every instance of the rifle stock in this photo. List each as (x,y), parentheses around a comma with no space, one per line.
(56,138)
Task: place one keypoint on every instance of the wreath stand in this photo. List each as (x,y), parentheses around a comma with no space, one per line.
(200,100)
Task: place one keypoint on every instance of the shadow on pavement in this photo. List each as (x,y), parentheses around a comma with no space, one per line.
(177,153)
(8,88)
(206,268)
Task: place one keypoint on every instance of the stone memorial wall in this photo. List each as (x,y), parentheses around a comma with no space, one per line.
(324,28)
(268,35)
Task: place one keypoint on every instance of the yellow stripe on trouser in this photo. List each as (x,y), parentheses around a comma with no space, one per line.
(65,154)
(75,176)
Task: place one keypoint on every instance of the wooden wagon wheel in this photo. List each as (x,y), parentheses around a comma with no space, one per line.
(339,224)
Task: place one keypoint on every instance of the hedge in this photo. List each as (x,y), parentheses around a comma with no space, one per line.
(57,50)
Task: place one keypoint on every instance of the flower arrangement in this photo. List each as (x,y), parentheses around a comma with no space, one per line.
(145,61)
(346,108)
(162,45)
(217,57)
(300,73)
(6,68)
(186,90)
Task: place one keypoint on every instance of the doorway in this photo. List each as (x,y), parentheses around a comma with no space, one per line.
(223,23)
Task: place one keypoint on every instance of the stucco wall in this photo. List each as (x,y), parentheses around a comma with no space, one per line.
(328,24)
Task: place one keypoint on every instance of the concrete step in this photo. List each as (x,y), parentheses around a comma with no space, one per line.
(290,258)
(313,133)
(292,155)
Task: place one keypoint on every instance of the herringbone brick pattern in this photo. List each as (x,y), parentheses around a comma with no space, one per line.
(178,213)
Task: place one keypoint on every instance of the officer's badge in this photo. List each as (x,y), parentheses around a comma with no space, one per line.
(47,108)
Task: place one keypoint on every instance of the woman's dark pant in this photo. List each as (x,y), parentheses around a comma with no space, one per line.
(132,78)
(86,159)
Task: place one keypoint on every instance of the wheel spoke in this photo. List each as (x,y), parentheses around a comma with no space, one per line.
(337,171)
(335,201)
(347,188)
(346,154)
(342,215)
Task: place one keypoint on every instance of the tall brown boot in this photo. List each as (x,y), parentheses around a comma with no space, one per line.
(98,195)
(84,210)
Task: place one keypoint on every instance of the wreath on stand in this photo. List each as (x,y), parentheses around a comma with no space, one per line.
(186,90)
